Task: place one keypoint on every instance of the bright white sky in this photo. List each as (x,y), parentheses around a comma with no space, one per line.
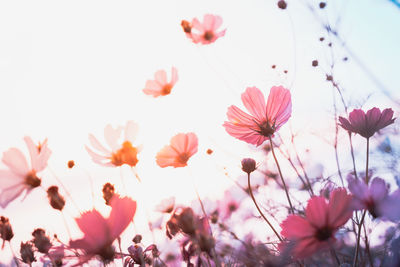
(69,68)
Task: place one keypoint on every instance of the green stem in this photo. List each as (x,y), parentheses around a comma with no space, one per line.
(280,174)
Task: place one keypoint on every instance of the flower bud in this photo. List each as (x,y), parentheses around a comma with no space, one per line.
(41,241)
(56,200)
(6,232)
(108,192)
(26,252)
(187,221)
(248,165)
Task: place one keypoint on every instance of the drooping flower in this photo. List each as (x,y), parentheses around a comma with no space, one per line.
(317,230)
(182,147)
(20,177)
(159,86)
(100,233)
(372,197)
(264,120)
(206,32)
(367,124)
(119,154)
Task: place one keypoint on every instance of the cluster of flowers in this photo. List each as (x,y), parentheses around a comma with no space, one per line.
(302,234)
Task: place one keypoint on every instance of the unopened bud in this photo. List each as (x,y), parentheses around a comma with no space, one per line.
(137,239)
(6,232)
(282,4)
(56,200)
(26,252)
(41,241)
(187,28)
(187,221)
(108,192)
(71,164)
(248,165)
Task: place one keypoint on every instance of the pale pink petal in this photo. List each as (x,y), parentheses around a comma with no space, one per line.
(279,105)
(16,161)
(192,144)
(238,117)
(317,211)
(208,22)
(307,247)
(179,142)
(161,77)
(174,76)
(220,34)
(9,179)
(253,100)
(38,159)
(296,227)
(99,159)
(33,151)
(112,135)
(122,212)
(154,93)
(217,22)
(97,145)
(360,192)
(197,25)
(131,130)
(244,133)
(340,209)
(10,193)
(95,229)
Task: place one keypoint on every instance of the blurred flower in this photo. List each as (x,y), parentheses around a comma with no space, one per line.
(20,177)
(167,205)
(100,233)
(119,155)
(182,147)
(57,201)
(316,231)
(227,205)
(6,232)
(368,124)
(370,197)
(390,207)
(264,120)
(206,32)
(159,86)
(248,165)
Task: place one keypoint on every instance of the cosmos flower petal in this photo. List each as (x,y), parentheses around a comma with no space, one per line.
(10,193)
(112,135)
(296,227)
(97,145)
(95,229)
(161,77)
(16,161)
(279,105)
(122,212)
(174,76)
(182,147)
(253,100)
(131,131)
(38,158)
(340,210)
(317,211)
(9,179)
(378,189)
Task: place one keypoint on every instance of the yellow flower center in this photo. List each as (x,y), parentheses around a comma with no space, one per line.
(126,155)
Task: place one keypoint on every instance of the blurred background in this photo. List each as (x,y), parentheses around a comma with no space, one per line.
(68,69)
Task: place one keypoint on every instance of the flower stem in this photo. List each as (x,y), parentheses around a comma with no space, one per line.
(259,210)
(358,239)
(280,174)
(366,167)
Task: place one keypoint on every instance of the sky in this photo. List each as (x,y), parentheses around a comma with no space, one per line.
(68,69)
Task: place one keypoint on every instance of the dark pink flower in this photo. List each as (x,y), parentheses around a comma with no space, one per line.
(206,32)
(181,148)
(368,124)
(160,86)
(100,233)
(20,176)
(317,230)
(264,120)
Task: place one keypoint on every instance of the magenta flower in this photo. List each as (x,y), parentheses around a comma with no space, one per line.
(177,154)
(160,86)
(100,233)
(264,120)
(317,230)
(368,124)
(20,177)
(372,198)
(206,32)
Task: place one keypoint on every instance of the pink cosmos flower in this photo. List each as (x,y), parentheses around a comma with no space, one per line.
(368,124)
(228,205)
(182,147)
(119,154)
(317,230)
(264,120)
(19,176)
(159,86)
(372,197)
(206,32)
(100,233)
